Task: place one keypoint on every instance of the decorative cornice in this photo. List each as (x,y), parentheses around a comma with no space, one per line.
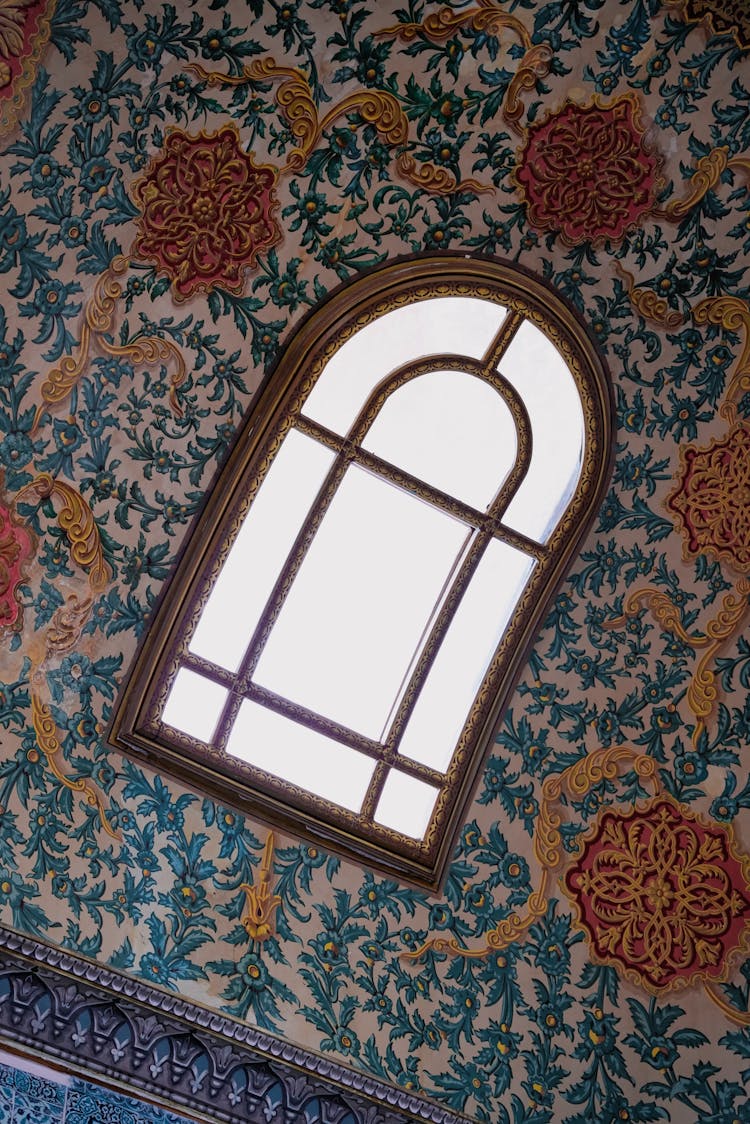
(107,1025)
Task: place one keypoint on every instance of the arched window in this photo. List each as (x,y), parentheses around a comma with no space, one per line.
(357,598)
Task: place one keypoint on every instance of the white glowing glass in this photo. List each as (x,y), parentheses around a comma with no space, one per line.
(450,429)
(194,705)
(360,604)
(302,756)
(249,573)
(534,366)
(440,325)
(406,804)
(464,655)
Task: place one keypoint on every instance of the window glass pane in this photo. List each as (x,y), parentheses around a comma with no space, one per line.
(194,705)
(260,550)
(304,757)
(465,654)
(360,603)
(406,804)
(456,325)
(540,375)
(452,430)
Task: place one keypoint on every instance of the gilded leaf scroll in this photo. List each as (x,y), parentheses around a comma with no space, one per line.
(48,740)
(488,19)
(378,108)
(577,780)
(702,694)
(260,904)
(76,520)
(97,328)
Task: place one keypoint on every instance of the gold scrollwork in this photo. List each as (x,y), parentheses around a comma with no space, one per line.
(740,1017)
(705,177)
(733,315)
(49,744)
(741,163)
(647,304)
(488,18)
(98,323)
(67,624)
(505,933)
(376,107)
(719,17)
(261,905)
(576,780)
(534,65)
(77,521)
(702,693)
(293,97)
(443,23)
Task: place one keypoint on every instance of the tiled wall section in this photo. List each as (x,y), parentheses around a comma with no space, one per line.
(33,1095)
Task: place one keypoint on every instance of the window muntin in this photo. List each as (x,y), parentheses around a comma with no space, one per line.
(453,432)
(280,741)
(534,366)
(366,589)
(262,546)
(447,325)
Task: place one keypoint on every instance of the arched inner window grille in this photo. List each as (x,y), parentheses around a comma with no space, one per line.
(342,634)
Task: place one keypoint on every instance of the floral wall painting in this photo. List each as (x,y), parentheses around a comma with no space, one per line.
(712,499)
(17,547)
(586,171)
(661,895)
(719,18)
(207,211)
(179,186)
(24,34)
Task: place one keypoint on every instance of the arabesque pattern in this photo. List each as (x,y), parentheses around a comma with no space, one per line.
(124,373)
(587,172)
(661,895)
(207,211)
(712,498)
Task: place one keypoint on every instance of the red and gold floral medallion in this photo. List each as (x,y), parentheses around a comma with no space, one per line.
(17,547)
(207,210)
(712,498)
(661,895)
(24,33)
(586,172)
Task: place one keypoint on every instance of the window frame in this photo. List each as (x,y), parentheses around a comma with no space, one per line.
(136,728)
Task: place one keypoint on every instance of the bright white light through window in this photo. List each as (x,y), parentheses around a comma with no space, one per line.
(406,804)
(464,656)
(300,755)
(445,325)
(450,429)
(539,373)
(247,577)
(194,704)
(359,605)
(385,537)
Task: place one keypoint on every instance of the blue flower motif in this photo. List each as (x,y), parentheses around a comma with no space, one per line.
(45,175)
(155,968)
(96,173)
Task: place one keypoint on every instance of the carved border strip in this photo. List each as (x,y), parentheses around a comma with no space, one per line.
(104,1024)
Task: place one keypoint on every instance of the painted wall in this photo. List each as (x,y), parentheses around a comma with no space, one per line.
(604,146)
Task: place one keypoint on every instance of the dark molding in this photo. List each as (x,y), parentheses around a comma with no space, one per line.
(105,1025)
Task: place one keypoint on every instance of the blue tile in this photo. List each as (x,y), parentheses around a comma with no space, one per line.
(7,1093)
(34,1110)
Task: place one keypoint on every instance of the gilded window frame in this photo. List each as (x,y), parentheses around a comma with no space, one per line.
(134,729)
